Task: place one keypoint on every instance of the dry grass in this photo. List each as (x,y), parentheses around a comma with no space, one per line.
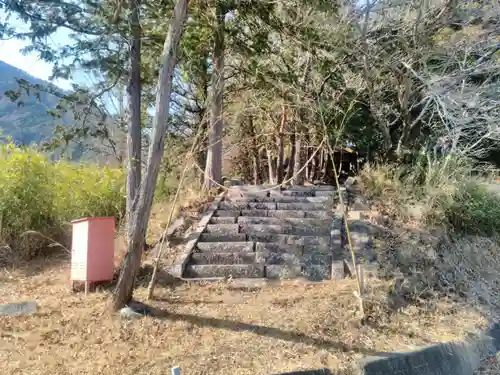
(212,329)
(191,203)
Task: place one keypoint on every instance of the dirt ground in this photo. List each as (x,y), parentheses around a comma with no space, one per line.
(211,329)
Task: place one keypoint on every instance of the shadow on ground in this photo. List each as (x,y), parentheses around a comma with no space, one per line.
(257,329)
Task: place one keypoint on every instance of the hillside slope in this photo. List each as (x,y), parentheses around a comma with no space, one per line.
(30,122)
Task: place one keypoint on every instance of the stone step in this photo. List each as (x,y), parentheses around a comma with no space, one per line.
(286,239)
(274,253)
(253,284)
(226,270)
(277,271)
(244,205)
(292,193)
(304,206)
(225,258)
(326,193)
(284,199)
(248,191)
(277,248)
(226,213)
(226,247)
(311,271)
(283,271)
(304,192)
(318,214)
(317,272)
(298,229)
(222,228)
(223,237)
(222,220)
(285,221)
(312,188)
(254,212)
(274,213)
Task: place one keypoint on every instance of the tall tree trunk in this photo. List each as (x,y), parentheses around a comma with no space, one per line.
(323,165)
(314,167)
(281,146)
(298,175)
(134,98)
(213,168)
(255,152)
(140,217)
(291,159)
(307,169)
(271,163)
(256,169)
(201,157)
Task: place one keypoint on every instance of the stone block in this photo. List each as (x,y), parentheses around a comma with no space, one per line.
(317,272)
(286,213)
(223,258)
(259,220)
(283,271)
(319,214)
(296,193)
(233,205)
(248,191)
(307,222)
(217,270)
(325,188)
(280,254)
(306,230)
(223,220)
(255,213)
(308,240)
(267,237)
(316,267)
(326,200)
(278,248)
(225,247)
(317,249)
(262,205)
(222,228)
(325,193)
(18,308)
(337,270)
(227,213)
(304,206)
(263,228)
(223,237)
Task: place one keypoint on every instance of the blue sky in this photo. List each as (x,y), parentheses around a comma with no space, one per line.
(10,53)
(31,63)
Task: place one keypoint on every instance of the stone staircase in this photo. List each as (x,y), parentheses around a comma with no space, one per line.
(259,232)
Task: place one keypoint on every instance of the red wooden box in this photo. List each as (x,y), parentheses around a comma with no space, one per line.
(92,249)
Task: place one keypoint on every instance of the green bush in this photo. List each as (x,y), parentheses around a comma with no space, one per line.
(448,191)
(44,196)
(474,210)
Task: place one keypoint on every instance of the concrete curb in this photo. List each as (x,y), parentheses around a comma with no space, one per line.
(178,268)
(18,308)
(455,358)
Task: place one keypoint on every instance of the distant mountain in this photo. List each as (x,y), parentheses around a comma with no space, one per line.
(30,122)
